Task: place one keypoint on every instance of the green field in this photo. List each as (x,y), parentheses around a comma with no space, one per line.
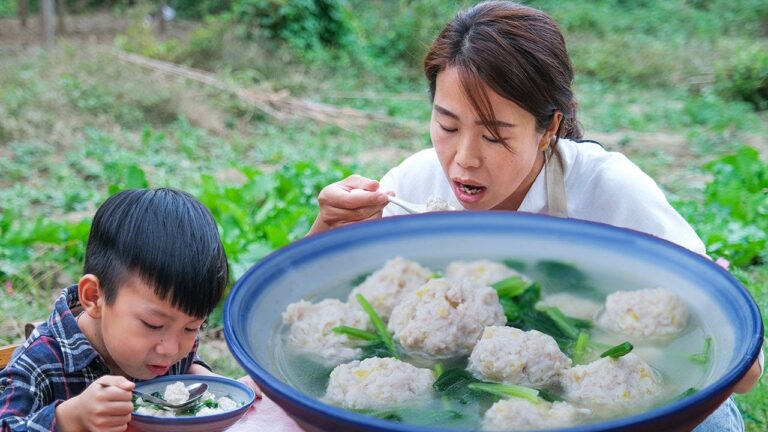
(681,87)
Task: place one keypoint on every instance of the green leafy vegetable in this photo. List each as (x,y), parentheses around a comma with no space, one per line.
(376,349)
(512,286)
(689,392)
(357,280)
(454,383)
(514,264)
(562,322)
(414,415)
(617,351)
(356,333)
(378,324)
(559,277)
(527,393)
(550,397)
(438,368)
(579,350)
(703,357)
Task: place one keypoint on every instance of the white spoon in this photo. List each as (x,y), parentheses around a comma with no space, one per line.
(196,391)
(407,206)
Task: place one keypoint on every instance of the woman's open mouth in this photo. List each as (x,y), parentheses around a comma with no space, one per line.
(467,192)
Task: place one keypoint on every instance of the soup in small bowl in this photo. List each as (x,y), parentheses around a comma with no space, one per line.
(220,407)
(491,321)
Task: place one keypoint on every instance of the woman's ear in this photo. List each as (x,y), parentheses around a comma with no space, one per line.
(90,295)
(549,135)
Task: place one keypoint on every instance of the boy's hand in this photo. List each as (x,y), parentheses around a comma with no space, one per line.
(353,199)
(104,406)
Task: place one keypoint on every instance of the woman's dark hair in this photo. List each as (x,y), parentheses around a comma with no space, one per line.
(517,51)
(165,237)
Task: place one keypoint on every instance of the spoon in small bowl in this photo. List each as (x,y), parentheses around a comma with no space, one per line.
(196,391)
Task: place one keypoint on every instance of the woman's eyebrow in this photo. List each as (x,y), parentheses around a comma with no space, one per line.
(448,113)
(444,111)
(498,123)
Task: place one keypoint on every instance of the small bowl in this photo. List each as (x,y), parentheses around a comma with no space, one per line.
(219,386)
(252,313)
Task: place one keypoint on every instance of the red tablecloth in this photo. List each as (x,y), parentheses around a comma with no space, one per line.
(265,415)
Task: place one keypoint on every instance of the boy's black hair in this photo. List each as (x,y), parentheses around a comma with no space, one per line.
(168,239)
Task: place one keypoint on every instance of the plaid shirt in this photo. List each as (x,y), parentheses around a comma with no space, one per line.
(56,363)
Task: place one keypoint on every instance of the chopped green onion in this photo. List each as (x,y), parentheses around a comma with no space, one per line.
(703,357)
(562,322)
(581,346)
(378,324)
(529,394)
(355,333)
(619,350)
(512,286)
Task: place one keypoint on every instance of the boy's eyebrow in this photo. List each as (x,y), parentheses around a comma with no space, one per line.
(157,311)
(448,113)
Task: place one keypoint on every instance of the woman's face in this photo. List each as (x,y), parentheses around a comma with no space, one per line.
(483,173)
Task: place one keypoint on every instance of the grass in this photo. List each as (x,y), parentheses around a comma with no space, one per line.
(76,123)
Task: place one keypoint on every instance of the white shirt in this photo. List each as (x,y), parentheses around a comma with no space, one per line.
(600,186)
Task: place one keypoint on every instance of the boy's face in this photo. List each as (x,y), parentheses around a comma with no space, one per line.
(142,335)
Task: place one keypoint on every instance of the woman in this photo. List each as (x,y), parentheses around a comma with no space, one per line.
(505,137)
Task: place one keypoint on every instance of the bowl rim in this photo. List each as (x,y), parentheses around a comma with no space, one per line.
(210,418)
(436,221)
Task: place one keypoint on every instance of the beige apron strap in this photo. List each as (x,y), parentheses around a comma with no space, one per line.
(555,182)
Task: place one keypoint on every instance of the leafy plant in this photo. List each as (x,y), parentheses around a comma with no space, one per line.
(306,25)
(746,76)
(732,218)
(268,210)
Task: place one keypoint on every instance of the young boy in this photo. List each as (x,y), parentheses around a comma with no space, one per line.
(154,269)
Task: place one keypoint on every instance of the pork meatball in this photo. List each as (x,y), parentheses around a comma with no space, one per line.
(612,384)
(445,319)
(378,383)
(644,313)
(387,286)
(520,414)
(311,325)
(484,272)
(513,356)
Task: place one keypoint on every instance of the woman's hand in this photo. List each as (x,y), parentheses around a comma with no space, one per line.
(105,405)
(750,379)
(353,199)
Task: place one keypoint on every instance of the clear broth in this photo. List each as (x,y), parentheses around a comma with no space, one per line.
(669,356)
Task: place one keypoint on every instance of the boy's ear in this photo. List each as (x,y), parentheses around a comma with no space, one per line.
(90,295)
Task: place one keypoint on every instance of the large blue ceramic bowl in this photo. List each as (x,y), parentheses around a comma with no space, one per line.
(252,314)
(219,386)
